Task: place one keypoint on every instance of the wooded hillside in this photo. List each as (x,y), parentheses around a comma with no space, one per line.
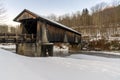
(101,21)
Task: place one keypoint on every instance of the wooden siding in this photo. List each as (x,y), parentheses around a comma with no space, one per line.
(25,15)
(56,34)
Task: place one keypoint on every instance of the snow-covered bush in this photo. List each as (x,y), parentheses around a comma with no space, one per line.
(104,45)
(115,45)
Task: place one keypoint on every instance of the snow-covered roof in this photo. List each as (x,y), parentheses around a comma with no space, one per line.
(48,20)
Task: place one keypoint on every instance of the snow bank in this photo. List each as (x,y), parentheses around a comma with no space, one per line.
(64,51)
(8,46)
(16,67)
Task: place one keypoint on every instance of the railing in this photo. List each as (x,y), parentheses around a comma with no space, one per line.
(17,38)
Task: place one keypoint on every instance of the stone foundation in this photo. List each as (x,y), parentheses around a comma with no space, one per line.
(34,50)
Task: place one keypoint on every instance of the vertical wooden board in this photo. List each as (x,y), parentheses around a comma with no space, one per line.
(38,33)
(21,29)
(70,37)
(38,40)
(65,38)
(76,39)
(52,33)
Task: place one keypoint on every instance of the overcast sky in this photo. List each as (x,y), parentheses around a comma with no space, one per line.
(47,7)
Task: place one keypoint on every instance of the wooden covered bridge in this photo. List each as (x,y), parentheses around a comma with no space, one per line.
(38,35)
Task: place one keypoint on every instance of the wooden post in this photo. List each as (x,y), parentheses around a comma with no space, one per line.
(18,45)
(65,38)
(50,50)
(44,40)
(5,37)
(76,39)
(16,39)
(47,47)
(32,36)
(25,37)
(20,48)
(38,40)
(21,28)
(16,48)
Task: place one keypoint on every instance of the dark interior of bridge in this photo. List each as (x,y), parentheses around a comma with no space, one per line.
(30,26)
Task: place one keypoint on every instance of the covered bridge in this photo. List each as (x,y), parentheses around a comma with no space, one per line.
(44,33)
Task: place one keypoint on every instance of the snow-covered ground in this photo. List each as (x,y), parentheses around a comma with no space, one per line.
(105,52)
(74,67)
(9,46)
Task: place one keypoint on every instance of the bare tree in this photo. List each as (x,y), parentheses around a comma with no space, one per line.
(13,29)
(52,17)
(98,7)
(3,29)
(2,13)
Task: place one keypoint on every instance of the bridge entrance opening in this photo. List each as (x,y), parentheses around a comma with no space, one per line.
(30,26)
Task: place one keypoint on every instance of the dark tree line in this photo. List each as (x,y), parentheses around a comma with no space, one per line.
(7,29)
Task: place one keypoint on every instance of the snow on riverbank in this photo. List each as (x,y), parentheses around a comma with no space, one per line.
(114,52)
(94,58)
(105,52)
(16,67)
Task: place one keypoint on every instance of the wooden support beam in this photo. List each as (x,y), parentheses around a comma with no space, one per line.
(76,39)
(21,28)
(65,38)
(38,37)
(16,37)
(44,34)
(32,36)
(38,40)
